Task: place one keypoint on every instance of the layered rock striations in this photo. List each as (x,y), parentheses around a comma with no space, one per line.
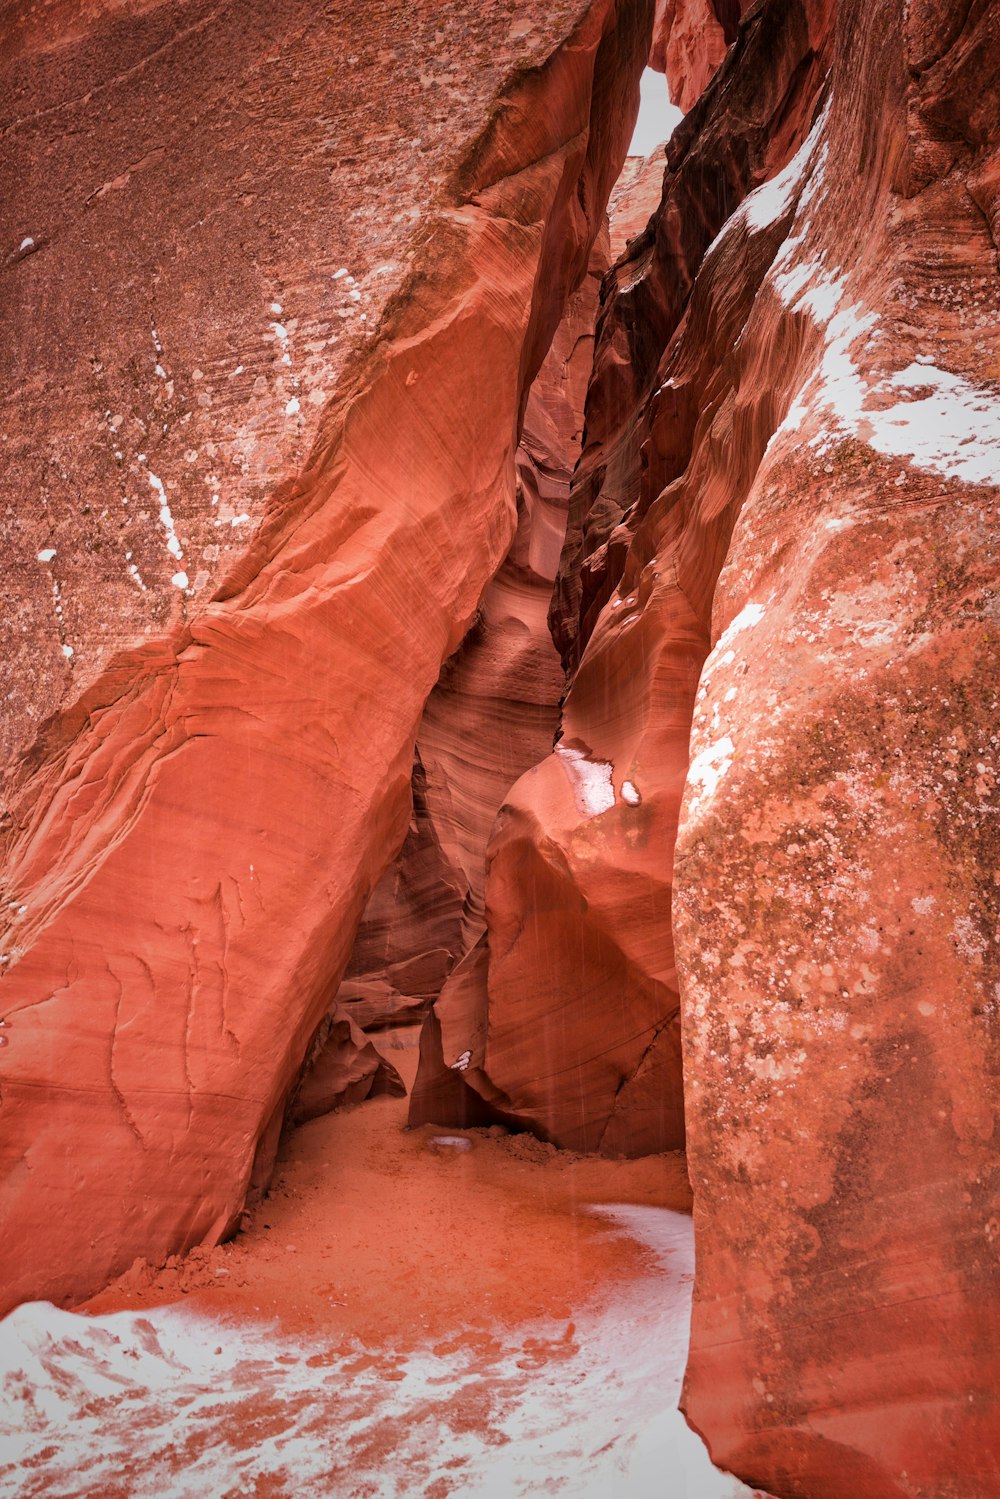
(492,714)
(778,606)
(583,1033)
(203,810)
(690,38)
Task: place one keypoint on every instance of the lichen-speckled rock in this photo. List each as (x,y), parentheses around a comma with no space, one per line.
(208,787)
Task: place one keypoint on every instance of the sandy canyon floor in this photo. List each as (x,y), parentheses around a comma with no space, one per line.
(408,1313)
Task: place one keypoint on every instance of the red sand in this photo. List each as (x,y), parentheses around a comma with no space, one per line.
(371,1231)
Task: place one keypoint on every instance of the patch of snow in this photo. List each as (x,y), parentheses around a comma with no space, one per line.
(944,423)
(292,407)
(707,770)
(26,242)
(46,554)
(751,614)
(180,580)
(169,1398)
(590,780)
(949,425)
(630,794)
(463,1062)
(134,573)
(68,652)
(166,519)
(768,202)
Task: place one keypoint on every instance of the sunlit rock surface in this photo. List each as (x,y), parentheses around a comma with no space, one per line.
(213,754)
(690,38)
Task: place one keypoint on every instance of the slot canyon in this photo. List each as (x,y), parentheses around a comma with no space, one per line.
(500,838)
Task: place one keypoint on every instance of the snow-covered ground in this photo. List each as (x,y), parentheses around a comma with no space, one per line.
(172,1404)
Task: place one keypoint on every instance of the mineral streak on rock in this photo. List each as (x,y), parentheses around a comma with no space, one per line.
(199,820)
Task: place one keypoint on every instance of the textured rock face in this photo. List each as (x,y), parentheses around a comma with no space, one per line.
(583,1032)
(835,883)
(778,603)
(636,196)
(690,38)
(492,714)
(196,827)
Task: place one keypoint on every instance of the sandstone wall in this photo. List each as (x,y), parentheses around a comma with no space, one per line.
(778,604)
(194,831)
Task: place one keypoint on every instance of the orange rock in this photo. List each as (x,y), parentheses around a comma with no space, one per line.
(579,1024)
(195,831)
(690,38)
(789,496)
(492,714)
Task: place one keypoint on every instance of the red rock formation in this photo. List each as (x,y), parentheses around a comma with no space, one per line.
(791,471)
(635,198)
(582,1038)
(194,833)
(690,38)
(492,714)
(346,1069)
(836,899)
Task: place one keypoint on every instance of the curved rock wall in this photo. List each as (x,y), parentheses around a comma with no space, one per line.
(583,1038)
(492,714)
(778,603)
(192,838)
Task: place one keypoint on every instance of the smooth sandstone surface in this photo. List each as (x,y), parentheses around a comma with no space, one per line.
(193,833)
(265,461)
(492,713)
(690,38)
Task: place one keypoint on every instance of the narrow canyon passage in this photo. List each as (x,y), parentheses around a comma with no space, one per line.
(407,1311)
(499,938)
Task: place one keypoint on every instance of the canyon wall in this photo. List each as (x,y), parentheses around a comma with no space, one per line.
(212,738)
(492,714)
(772,809)
(265,458)
(690,38)
(583,1034)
